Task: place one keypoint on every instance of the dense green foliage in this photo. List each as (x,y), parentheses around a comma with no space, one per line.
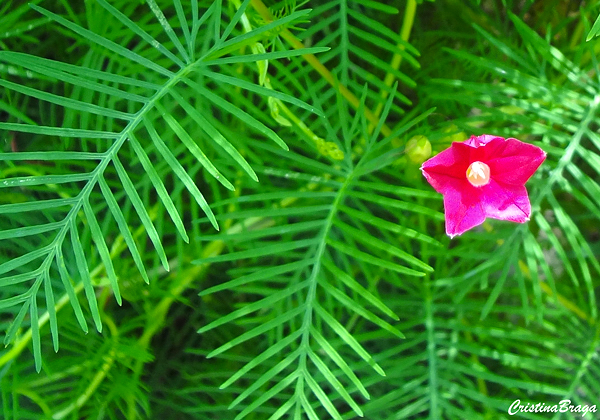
(208,209)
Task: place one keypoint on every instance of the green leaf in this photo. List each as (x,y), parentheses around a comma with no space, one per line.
(266,377)
(58,131)
(264,356)
(97,39)
(139,31)
(268,395)
(366,239)
(35,333)
(316,389)
(66,281)
(180,172)
(194,149)
(49,294)
(383,224)
(594,31)
(14,326)
(258,331)
(159,187)
(363,256)
(215,135)
(123,228)
(259,275)
(84,275)
(237,112)
(66,102)
(24,231)
(62,71)
(141,211)
(339,361)
(43,180)
(348,339)
(242,84)
(359,310)
(259,252)
(258,305)
(168,29)
(23,260)
(334,383)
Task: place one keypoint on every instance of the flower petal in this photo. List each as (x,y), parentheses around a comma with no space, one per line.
(506,202)
(478,141)
(512,161)
(463,208)
(447,167)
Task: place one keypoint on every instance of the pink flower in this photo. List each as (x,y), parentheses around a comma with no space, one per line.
(483,177)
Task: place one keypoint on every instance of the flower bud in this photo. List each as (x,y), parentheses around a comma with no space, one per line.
(418,149)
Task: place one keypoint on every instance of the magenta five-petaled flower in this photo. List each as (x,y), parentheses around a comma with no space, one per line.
(481,177)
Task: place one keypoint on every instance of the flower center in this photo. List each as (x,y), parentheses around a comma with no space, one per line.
(478,174)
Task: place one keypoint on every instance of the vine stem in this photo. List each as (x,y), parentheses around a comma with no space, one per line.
(407,24)
(288,112)
(264,12)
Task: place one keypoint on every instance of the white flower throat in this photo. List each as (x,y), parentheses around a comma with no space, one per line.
(478,174)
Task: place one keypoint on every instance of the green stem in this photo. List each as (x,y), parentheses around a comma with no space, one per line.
(311,59)
(431,350)
(429,326)
(109,360)
(407,23)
